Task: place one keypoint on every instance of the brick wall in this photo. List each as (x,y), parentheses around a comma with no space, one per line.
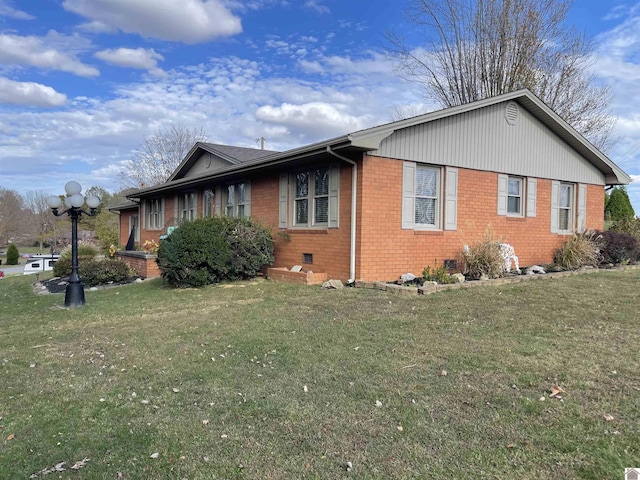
(329,246)
(386,251)
(143,264)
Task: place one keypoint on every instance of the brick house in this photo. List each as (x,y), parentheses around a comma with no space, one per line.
(398,197)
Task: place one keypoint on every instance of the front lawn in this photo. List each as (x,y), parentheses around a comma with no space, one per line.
(271,381)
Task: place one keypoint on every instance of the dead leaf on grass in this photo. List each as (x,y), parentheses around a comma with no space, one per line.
(556,390)
(11,437)
(155,455)
(79,464)
(609,418)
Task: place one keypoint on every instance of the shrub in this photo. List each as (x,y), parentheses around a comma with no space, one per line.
(630,226)
(484,258)
(62,267)
(214,249)
(12,254)
(99,272)
(581,250)
(85,249)
(618,247)
(438,274)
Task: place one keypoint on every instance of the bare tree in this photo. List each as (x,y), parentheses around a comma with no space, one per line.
(159,155)
(42,218)
(14,216)
(476,49)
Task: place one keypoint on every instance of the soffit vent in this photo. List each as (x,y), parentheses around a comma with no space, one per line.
(511,113)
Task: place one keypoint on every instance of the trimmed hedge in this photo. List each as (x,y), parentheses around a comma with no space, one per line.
(211,250)
(100,272)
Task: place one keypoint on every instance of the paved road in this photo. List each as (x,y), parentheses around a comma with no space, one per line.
(8,270)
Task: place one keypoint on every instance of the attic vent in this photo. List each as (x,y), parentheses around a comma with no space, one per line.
(511,113)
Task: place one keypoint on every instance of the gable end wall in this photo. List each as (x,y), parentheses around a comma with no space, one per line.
(483,140)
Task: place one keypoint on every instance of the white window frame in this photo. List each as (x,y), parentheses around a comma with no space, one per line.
(570,209)
(235,207)
(437,197)
(311,198)
(188,206)
(154,213)
(521,196)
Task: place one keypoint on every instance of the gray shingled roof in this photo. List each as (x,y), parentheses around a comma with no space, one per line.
(240,154)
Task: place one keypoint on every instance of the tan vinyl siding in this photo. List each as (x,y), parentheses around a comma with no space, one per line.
(483,140)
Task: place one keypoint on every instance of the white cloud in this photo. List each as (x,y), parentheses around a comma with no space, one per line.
(188,21)
(39,52)
(6,10)
(317,6)
(139,58)
(29,93)
(311,67)
(325,119)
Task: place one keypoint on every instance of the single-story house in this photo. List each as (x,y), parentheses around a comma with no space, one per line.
(395,198)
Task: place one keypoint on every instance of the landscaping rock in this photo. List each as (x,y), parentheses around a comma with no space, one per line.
(532,270)
(459,277)
(333,284)
(407,277)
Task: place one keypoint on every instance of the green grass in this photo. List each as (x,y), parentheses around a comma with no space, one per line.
(73,382)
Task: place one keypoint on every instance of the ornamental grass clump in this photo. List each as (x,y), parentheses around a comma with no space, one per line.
(581,250)
(211,250)
(484,258)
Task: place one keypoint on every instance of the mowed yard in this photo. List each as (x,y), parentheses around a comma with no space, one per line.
(262,380)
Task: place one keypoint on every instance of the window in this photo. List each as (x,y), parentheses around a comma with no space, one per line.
(311,203)
(517,195)
(187,205)
(427,195)
(565,208)
(514,196)
(154,214)
(207,203)
(235,204)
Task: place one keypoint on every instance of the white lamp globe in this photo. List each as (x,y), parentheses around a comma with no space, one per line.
(93,201)
(76,200)
(72,188)
(54,201)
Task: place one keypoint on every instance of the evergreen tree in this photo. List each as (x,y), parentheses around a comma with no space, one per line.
(618,206)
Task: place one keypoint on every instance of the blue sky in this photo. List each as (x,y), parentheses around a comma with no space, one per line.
(83,81)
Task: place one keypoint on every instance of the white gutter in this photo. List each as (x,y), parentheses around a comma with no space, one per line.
(354,203)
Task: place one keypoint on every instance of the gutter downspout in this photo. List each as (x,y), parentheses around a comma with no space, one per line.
(354,203)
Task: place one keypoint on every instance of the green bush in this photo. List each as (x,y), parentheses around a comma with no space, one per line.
(630,226)
(62,267)
(12,254)
(100,272)
(484,258)
(437,274)
(583,249)
(210,250)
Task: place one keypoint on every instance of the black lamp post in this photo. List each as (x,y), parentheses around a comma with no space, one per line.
(74,294)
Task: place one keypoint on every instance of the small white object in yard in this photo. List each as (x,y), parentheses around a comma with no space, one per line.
(306,389)
(349,466)
(333,284)
(509,255)
(407,277)
(80,463)
(32,365)
(378,403)
(175,390)
(155,455)
(296,268)
(399,427)
(93,289)
(102,400)
(443,373)
(532,270)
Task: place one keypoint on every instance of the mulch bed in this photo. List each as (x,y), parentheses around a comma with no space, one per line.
(59,284)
